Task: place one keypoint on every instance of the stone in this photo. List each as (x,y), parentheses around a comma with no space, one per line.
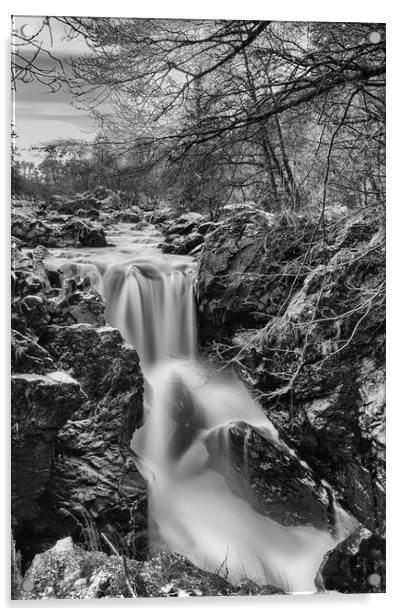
(32,231)
(41,405)
(184,224)
(76,304)
(95,479)
(270,477)
(68,572)
(356,565)
(182,245)
(28,356)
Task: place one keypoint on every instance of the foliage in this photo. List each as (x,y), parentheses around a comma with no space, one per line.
(206,112)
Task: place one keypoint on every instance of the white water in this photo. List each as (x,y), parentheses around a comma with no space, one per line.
(193,511)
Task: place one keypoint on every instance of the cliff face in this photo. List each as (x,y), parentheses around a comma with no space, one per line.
(76,400)
(303,316)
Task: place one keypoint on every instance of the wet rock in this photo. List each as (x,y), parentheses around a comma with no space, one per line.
(83,234)
(95,479)
(30,315)
(55,278)
(75,304)
(312,340)
(92,214)
(324,368)
(246,271)
(267,474)
(28,356)
(32,231)
(41,405)
(159,217)
(65,205)
(357,565)
(184,224)
(68,572)
(207,227)
(182,245)
(132,215)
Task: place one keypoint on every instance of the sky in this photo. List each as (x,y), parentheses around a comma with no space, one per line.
(39,114)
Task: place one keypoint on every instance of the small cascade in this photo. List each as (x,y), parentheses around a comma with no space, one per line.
(152,304)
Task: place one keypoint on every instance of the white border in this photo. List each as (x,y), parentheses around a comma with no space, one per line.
(304,10)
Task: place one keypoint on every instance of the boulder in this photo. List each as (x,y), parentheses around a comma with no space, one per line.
(160,217)
(132,215)
(270,477)
(182,245)
(184,224)
(69,572)
(40,406)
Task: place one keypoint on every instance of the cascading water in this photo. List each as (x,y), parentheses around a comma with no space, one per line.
(193,510)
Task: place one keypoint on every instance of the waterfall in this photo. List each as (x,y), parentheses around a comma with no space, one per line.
(193,509)
(153,306)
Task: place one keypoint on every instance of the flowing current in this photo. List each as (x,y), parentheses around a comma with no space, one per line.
(193,510)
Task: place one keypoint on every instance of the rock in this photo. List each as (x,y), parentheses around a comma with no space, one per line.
(28,356)
(264,472)
(30,315)
(247,268)
(69,572)
(184,224)
(207,227)
(95,480)
(356,565)
(160,216)
(41,405)
(64,205)
(33,231)
(74,304)
(133,215)
(324,370)
(55,278)
(84,234)
(182,245)
(92,214)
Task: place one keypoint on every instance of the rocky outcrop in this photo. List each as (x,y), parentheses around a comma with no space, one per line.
(181,234)
(316,350)
(270,477)
(182,244)
(40,297)
(32,230)
(247,268)
(69,572)
(99,200)
(95,483)
(41,405)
